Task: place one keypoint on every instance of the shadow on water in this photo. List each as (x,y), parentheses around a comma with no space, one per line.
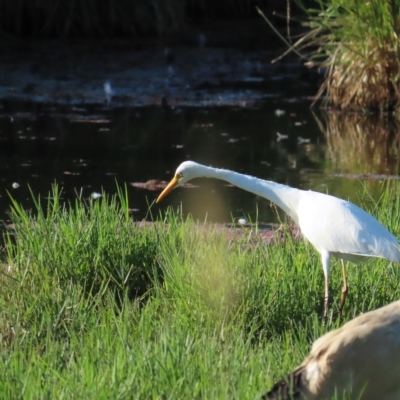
(88,149)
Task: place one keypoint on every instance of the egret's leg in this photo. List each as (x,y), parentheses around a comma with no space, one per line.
(326,299)
(345,288)
(325,265)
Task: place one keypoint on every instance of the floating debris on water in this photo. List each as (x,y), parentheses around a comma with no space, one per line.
(155,184)
(95,195)
(301,140)
(280,136)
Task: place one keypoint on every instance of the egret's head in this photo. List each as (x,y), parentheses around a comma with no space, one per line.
(185,172)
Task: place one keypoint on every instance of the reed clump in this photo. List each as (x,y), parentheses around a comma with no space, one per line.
(362,48)
(357,44)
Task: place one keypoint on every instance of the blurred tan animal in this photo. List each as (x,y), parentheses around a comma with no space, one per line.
(360,361)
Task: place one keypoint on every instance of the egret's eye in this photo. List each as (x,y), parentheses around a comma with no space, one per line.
(179,175)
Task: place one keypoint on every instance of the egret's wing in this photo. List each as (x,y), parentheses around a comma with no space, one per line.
(342,228)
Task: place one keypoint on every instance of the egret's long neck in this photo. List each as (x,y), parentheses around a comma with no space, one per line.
(283,196)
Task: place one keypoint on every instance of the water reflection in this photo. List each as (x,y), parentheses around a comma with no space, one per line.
(361,144)
(360,148)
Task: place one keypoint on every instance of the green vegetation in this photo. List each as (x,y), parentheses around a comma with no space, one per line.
(96,306)
(357,43)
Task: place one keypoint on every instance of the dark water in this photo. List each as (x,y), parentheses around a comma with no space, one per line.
(89,149)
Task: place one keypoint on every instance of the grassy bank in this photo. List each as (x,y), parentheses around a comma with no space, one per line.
(95,306)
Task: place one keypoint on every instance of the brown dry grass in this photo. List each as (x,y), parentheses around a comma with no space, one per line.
(362,81)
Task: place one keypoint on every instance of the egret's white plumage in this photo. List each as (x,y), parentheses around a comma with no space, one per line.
(335,227)
(361,358)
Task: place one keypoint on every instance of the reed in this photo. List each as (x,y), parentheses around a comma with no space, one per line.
(357,44)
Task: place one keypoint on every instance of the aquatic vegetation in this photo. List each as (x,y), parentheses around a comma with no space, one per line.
(357,43)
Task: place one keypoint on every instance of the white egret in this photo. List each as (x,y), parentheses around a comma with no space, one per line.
(361,358)
(335,227)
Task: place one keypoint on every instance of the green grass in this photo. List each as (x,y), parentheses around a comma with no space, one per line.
(97,306)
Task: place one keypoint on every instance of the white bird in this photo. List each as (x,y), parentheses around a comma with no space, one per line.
(335,227)
(358,361)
